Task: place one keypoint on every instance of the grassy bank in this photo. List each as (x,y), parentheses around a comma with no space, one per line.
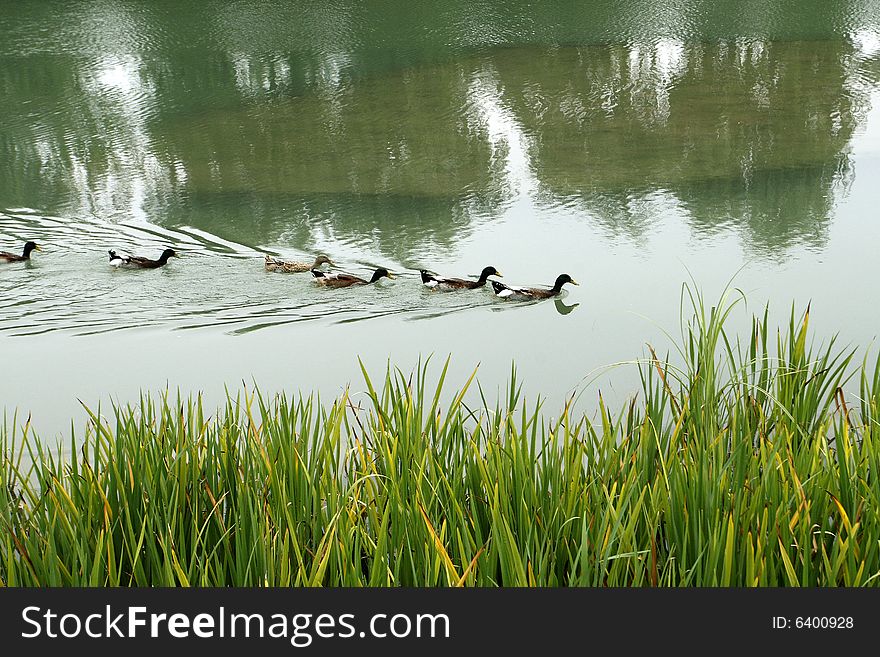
(746,466)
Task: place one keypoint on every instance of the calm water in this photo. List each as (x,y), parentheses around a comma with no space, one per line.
(629,144)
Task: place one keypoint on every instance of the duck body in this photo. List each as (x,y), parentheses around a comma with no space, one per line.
(442,283)
(138,262)
(5,256)
(347,280)
(525,293)
(293,266)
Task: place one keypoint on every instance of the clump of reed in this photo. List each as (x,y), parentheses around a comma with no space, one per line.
(743,465)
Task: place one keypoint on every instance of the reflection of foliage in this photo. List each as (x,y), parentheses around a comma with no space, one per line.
(278,122)
(398,159)
(87,149)
(407,134)
(763,127)
(608,117)
(395,226)
(775,209)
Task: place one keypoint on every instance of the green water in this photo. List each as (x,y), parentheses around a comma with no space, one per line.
(630,144)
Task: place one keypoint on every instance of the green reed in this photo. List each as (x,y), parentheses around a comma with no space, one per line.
(742,464)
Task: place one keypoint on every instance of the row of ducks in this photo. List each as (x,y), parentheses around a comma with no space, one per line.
(429,278)
(338,280)
(116,259)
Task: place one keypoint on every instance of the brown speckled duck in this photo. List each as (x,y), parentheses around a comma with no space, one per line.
(294,266)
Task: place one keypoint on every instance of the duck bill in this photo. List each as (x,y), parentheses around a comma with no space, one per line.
(574,282)
(37,248)
(390,275)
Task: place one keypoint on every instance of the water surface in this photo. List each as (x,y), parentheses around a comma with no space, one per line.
(631,145)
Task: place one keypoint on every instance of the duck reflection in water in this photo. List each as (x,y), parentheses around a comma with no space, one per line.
(562,308)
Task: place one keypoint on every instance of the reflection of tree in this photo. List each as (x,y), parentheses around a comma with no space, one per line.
(406,134)
(777,208)
(385,225)
(87,147)
(397,158)
(764,127)
(272,123)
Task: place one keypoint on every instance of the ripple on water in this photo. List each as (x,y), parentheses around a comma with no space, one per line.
(215,284)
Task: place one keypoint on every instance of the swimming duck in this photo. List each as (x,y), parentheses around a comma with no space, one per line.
(440,282)
(5,256)
(508,292)
(346,280)
(293,266)
(138,262)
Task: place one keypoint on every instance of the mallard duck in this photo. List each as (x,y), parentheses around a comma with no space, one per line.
(508,292)
(346,280)
(138,262)
(5,256)
(293,266)
(442,283)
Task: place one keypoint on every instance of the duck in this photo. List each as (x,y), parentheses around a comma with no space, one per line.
(509,292)
(433,281)
(138,262)
(294,266)
(5,256)
(347,280)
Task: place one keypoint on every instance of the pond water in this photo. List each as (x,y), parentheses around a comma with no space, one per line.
(635,145)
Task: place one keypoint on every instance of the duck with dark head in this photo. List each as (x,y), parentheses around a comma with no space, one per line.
(526,293)
(5,256)
(139,262)
(433,281)
(347,280)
